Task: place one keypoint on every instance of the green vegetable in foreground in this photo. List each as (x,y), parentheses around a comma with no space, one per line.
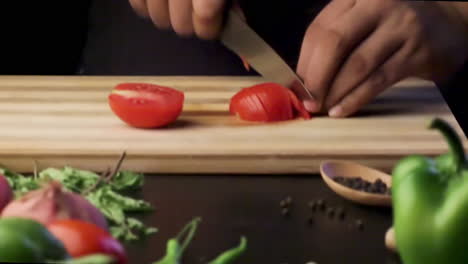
(90,259)
(430,202)
(27,241)
(231,255)
(176,247)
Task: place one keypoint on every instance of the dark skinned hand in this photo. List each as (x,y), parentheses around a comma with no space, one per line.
(355,49)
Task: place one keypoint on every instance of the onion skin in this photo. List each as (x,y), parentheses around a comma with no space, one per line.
(52,202)
(6,194)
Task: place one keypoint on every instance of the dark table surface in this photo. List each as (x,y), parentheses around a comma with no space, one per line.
(234,205)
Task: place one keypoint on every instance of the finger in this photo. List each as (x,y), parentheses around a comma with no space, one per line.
(159,12)
(208,9)
(207,18)
(367,57)
(333,10)
(181,16)
(207,29)
(332,43)
(389,73)
(140,7)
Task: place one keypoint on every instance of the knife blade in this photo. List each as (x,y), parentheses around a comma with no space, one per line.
(244,41)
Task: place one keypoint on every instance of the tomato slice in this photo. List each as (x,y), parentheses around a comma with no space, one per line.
(267,102)
(145,105)
(298,106)
(244,100)
(82,238)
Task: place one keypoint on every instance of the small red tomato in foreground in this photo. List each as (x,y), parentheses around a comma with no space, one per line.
(145,105)
(82,238)
(6,194)
(267,102)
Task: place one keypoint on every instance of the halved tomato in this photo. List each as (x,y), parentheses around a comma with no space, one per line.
(267,102)
(145,105)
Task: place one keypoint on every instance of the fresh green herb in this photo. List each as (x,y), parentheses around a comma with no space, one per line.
(115,207)
(72,179)
(127,181)
(19,183)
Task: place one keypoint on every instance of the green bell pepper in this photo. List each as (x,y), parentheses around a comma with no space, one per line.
(27,241)
(430,204)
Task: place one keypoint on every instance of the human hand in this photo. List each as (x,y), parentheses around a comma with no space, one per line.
(186,17)
(355,49)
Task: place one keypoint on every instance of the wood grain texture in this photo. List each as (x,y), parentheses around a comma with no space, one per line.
(59,121)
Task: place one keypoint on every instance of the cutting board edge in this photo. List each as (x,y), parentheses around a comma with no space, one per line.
(197,165)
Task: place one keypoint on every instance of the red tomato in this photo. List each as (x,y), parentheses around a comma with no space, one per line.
(82,238)
(267,102)
(146,105)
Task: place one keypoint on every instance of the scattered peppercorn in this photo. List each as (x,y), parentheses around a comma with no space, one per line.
(285,212)
(312,206)
(357,183)
(288,200)
(360,224)
(320,204)
(330,212)
(341,213)
(283,204)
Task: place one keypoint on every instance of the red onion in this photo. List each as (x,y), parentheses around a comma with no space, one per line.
(53,202)
(6,194)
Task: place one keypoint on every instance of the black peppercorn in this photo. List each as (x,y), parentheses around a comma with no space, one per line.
(360,224)
(320,204)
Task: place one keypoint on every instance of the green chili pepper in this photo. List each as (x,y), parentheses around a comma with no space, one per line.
(430,202)
(231,255)
(175,249)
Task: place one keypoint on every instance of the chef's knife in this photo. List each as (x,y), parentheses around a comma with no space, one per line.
(244,41)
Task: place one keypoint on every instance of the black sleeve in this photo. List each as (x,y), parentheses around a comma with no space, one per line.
(42,37)
(455,93)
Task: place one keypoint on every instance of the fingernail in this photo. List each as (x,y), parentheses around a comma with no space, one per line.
(336,111)
(311,105)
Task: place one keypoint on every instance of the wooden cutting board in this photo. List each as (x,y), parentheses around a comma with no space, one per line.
(58,121)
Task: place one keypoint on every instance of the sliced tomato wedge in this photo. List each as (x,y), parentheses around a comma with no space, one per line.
(145,105)
(267,102)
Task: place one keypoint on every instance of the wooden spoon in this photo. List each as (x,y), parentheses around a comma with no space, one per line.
(335,168)
(390,240)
